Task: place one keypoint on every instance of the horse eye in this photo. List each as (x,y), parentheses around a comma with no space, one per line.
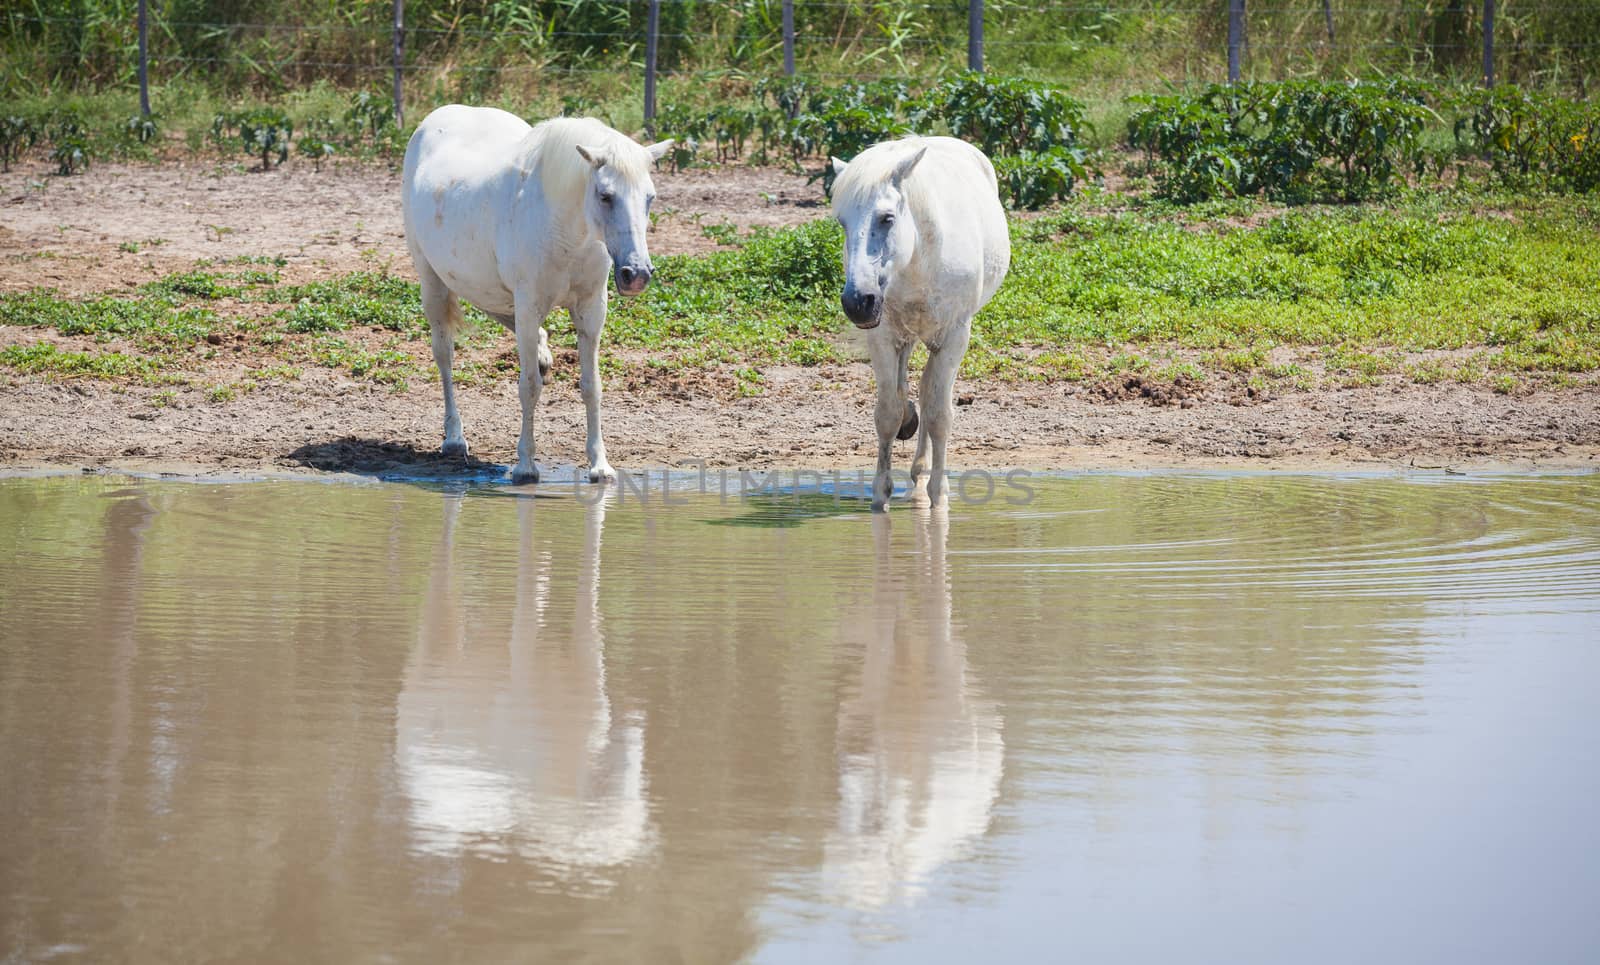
(606,197)
(886,220)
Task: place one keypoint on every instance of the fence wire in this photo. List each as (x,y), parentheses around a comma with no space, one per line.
(832,40)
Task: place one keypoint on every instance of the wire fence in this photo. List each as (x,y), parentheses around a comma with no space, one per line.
(824,40)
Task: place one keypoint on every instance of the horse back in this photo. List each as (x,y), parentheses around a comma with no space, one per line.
(962,199)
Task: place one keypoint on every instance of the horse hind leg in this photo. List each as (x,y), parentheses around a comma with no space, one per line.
(443,311)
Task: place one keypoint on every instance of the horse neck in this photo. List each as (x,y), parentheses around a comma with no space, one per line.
(564,220)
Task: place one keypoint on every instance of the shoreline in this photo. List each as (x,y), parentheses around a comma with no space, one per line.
(322,425)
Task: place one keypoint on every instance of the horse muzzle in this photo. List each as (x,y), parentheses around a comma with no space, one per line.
(865,310)
(631,280)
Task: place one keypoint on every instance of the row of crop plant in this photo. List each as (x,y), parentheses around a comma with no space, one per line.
(1306,140)
(1293,141)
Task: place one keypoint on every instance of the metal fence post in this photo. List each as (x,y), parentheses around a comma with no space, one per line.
(1327,16)
(399,61)
(144,60)
(1236,37)
(788,38)
(1488,43)
(975,35)
(651,40)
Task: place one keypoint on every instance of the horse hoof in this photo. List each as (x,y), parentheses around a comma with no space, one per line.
(908,425)
(454,450)
(521,477)
(602,474)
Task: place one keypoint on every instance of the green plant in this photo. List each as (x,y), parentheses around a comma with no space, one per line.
(70,148)
(264,132)
(1525,135)
(17,135)
(1007,115)
(71,153)
(723,234)
(369,114)
(140,129)
(848,130)
(1033,179)
(317,143)
(1294,141)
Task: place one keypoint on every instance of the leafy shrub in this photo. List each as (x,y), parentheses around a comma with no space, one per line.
(1035,125)
(1296,141)
(369,114)
(1525,135)
(885,95)
(69,142)
(317,143)
(140,130)
(266,132)
(1007,115)
(1033,179)
(787,94)
(1367,132)
(1195,141)
(263,131)
(731,127)
(846,131)
(17,135)
(728,128)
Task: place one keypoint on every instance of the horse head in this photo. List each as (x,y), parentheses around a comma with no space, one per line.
(617,204)
(880,232)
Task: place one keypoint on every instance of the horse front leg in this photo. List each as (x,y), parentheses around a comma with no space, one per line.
(937,389)
(889,372)
(589,317)
(530,314)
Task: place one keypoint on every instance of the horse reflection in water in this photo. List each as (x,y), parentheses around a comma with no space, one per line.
(920,752)
(512,746)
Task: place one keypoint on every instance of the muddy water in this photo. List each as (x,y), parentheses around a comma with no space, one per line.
(1137,719)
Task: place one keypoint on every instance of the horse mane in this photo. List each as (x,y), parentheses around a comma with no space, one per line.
(563,173)
(867,171)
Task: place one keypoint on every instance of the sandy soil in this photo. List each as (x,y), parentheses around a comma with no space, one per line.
(76,233)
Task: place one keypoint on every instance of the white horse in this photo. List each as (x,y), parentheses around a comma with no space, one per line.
(519,220)
(921,749)
(926,246)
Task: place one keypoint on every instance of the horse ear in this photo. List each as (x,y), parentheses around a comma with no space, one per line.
(838,167)
(904,167)
(659,149)
(591,154)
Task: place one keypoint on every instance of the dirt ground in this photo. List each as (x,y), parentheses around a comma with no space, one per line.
(119,226)
(75,233)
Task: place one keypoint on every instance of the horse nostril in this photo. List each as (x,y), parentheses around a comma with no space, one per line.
(625,275)
(868,302)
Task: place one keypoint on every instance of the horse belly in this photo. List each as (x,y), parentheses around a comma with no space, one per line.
(458,243)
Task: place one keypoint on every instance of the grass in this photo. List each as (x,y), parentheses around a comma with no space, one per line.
(1435,287)
(46,359)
